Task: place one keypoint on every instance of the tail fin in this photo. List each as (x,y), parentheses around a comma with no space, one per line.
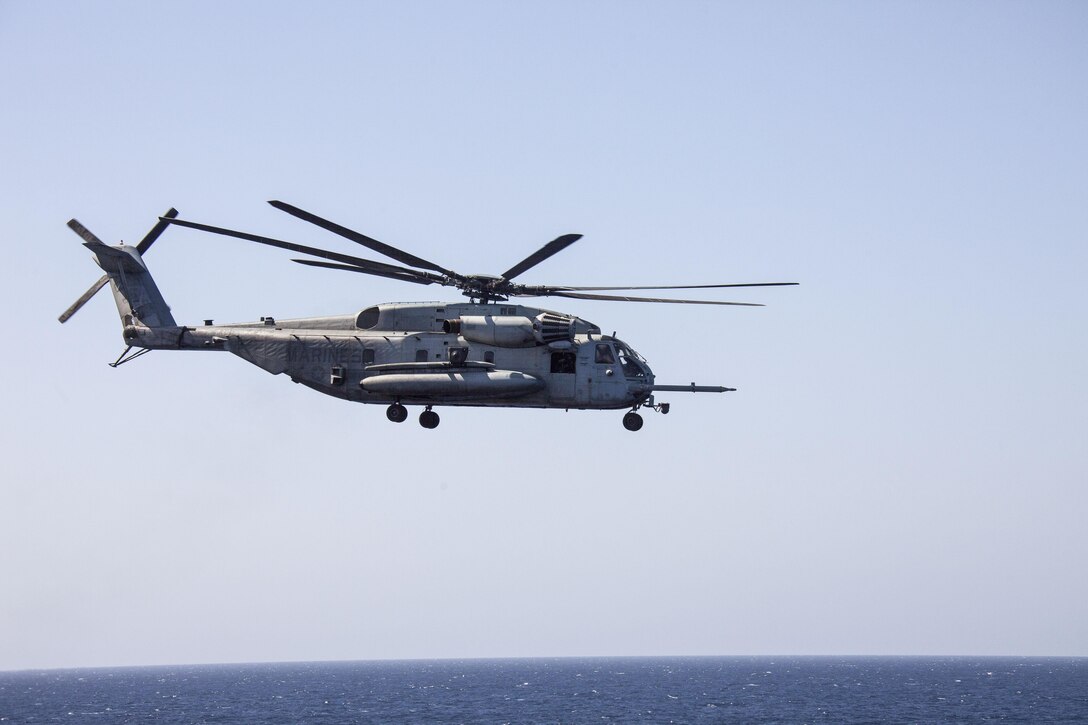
(139,301)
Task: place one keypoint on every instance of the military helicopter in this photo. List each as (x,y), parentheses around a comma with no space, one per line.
(488,351)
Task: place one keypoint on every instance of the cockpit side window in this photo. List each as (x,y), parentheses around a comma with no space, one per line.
(604,354)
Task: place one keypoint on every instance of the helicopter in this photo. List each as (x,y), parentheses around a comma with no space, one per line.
(489,351)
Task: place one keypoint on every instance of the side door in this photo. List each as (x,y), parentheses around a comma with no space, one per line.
(563,367)
(607,384)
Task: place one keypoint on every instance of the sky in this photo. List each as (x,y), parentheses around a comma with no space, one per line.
(901,471)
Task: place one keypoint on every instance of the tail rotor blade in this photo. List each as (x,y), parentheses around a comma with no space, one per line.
(156,231)
(88,236)
(91,292)
(82,231)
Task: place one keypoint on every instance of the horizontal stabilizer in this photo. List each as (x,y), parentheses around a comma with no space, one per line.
(115,258)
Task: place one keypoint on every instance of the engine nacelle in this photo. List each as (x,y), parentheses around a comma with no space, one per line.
(512,330)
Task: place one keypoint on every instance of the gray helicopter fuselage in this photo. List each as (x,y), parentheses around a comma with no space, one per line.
(470,354)
(485,352)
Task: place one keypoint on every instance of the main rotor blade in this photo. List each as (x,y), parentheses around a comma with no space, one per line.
(156,231)
(374,267)
(86,296)
(618,298)
(369,242)
(672,286)
(352,268)
(553,247)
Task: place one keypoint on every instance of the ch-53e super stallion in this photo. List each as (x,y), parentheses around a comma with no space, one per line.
(486,352)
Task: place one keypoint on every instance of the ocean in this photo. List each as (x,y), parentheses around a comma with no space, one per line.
(594,690)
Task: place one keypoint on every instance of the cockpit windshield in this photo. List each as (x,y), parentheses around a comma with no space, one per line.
(633,364)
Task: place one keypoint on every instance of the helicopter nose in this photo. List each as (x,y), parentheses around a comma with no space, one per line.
(638,389)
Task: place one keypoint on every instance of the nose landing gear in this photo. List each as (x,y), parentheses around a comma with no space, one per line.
(633,421)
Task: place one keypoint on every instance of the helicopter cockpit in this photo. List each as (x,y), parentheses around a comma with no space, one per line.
(633,365)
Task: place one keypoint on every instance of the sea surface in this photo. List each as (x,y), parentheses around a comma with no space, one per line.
(642,690)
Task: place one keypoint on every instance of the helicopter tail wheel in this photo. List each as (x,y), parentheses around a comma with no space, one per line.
(396,413)
(632,421)
(429,419)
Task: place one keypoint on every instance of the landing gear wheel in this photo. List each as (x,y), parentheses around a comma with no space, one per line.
(428,419)
(632,421)
(396,413)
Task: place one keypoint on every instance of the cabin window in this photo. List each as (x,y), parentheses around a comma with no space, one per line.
(421,356)
(604,354)
(489,356)
(368,356)
(563,362)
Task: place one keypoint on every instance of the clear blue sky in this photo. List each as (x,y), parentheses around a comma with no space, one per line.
(902,470)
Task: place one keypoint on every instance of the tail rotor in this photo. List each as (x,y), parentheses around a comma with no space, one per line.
(88,236)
